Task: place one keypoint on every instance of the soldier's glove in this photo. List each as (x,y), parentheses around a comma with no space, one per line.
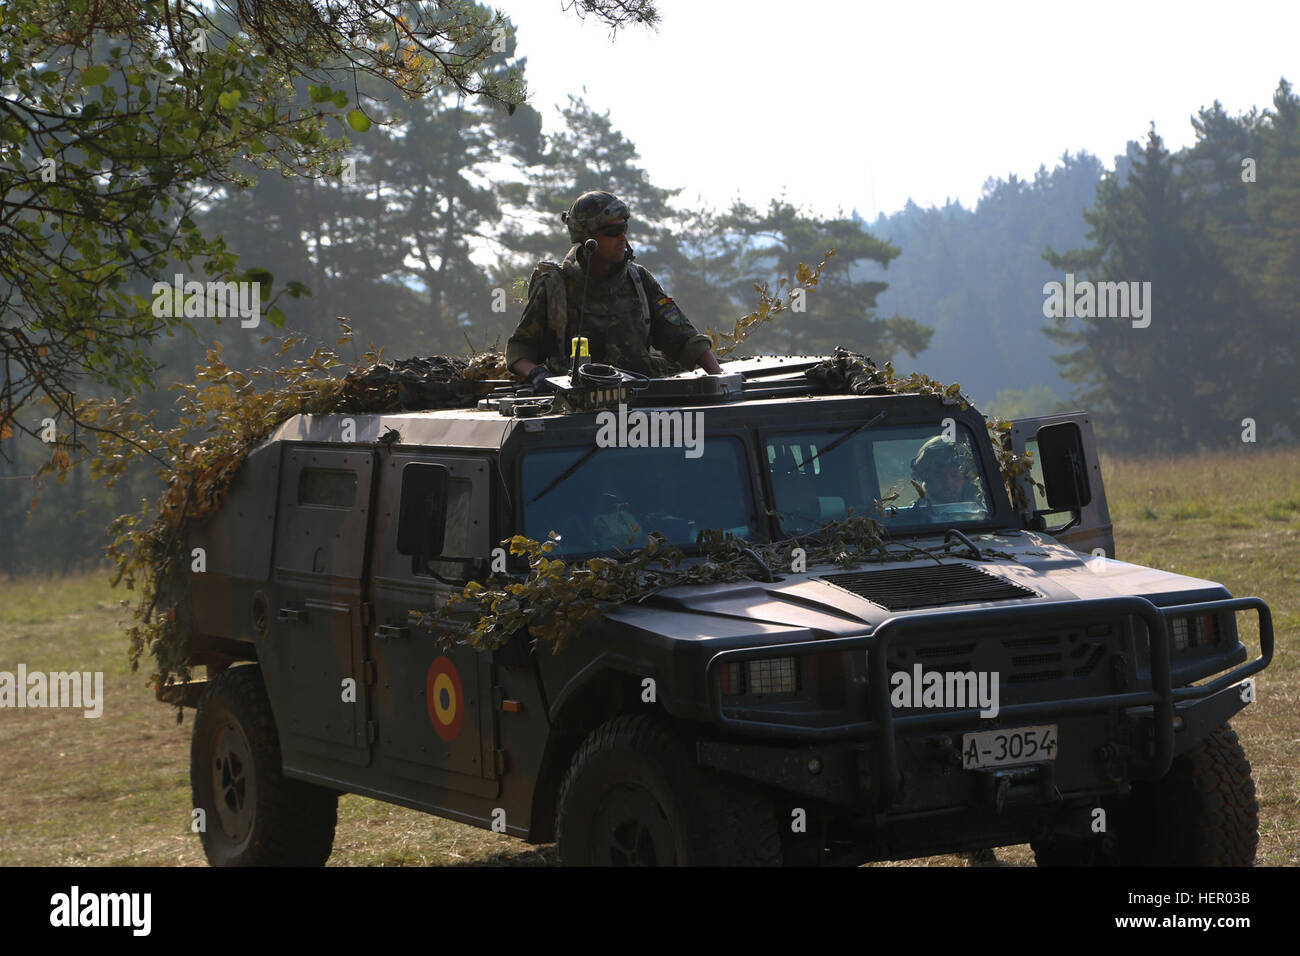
(536,374)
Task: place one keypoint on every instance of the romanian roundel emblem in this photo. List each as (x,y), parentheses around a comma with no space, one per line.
(446,699)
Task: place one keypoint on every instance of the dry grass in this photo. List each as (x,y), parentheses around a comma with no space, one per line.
(115,790)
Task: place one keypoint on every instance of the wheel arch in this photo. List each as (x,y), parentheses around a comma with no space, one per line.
(601,696)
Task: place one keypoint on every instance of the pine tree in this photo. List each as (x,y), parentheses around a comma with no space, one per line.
(1269,257)
(1162,387)
(842,311)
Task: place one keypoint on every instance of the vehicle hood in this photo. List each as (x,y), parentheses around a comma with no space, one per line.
(806,606)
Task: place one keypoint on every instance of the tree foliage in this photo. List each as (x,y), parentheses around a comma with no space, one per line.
(1212,229)
(844,312)
(118,118)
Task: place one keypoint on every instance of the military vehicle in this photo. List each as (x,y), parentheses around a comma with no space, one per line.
(996,679)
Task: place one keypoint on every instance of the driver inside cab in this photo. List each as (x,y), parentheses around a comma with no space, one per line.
(947,471)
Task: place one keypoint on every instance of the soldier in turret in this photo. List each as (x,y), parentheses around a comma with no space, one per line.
(626,311)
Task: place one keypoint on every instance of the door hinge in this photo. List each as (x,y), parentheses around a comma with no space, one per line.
(372,731)
(500,762)
(368,672)
(367,613)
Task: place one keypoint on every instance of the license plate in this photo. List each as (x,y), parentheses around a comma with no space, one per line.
(1003,748)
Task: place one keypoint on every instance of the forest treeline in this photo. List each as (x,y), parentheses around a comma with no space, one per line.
(424,233)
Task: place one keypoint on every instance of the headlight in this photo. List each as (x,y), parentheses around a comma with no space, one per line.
(1194,631)
(775,675)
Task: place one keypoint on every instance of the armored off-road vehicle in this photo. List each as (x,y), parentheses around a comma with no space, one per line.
(997,678)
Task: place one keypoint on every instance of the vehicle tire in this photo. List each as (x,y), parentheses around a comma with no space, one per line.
(1202,813)
(634,796)
(253,814)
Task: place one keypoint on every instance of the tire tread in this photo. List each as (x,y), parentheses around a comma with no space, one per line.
(730,824)
(296,820)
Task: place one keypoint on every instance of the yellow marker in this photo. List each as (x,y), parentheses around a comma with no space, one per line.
(578,347)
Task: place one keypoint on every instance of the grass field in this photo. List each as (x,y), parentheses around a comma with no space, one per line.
(116,790)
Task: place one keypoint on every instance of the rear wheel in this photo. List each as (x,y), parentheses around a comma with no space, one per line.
(1202,813)
(633,796)
(252,814)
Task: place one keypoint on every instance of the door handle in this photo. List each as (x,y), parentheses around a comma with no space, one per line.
(291,614)
(392,631)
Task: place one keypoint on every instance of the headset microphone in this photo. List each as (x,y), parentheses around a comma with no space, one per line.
(578,345)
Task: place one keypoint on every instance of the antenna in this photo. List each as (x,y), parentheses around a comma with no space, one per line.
(589,247)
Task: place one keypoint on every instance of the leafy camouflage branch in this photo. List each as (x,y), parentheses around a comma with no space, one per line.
(770,305)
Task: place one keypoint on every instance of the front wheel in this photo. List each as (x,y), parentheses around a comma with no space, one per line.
(1202,813)
(633,796)
(252,815)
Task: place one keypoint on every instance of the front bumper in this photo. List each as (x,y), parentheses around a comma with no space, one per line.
(904,763)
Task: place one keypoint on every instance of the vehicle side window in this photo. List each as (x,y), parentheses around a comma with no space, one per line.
(325,504)
(327,487)
(456,541)
(465,518)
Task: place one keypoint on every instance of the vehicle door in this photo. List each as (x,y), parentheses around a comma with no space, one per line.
(1064,443)
(432,706)
(315,666)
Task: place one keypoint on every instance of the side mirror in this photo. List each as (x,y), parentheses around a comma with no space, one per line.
(422,513)
(1065,471)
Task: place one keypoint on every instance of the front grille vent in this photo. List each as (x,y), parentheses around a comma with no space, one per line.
(1020,660)
(928,585)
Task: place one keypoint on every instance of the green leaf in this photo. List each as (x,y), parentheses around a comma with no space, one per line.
(94,75)
(340,99)
(275,317)
(358,120)
(229,100)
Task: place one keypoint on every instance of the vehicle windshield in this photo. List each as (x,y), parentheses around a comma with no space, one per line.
(924,479)
(601,500)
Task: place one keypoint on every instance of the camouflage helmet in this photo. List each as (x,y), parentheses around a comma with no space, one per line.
(590,211)
(938,456)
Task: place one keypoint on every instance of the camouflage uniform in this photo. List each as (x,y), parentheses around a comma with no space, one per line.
(627,311)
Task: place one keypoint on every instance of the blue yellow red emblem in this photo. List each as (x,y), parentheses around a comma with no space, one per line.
(445,698)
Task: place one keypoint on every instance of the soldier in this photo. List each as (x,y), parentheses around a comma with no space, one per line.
(626,311)
(947,470)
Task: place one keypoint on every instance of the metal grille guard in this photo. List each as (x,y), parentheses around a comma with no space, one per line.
(884,725)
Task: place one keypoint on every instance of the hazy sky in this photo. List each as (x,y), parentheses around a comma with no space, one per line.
(865,104)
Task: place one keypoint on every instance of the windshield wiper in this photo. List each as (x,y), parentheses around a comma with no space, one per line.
(564,475)
(954,533)
(837,442)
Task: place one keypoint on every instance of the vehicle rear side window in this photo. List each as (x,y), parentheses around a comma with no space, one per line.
(328,487)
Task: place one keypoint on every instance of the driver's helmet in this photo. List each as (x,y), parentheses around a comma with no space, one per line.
(939,458)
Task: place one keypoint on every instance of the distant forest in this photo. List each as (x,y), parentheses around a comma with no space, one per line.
(445,202)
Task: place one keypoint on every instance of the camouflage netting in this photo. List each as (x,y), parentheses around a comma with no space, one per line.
(438,381)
